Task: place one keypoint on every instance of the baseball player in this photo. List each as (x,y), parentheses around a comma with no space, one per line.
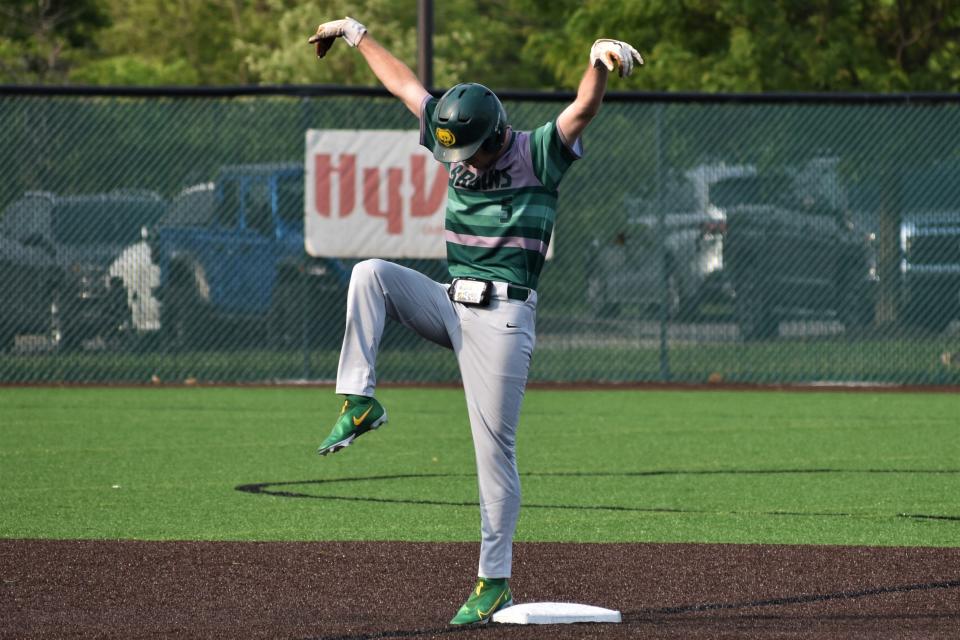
(501,205)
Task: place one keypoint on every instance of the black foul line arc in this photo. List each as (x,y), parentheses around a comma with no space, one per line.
(274,489)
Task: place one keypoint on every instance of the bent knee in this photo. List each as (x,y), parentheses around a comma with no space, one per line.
(367,269)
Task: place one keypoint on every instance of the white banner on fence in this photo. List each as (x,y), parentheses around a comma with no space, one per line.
(373,194)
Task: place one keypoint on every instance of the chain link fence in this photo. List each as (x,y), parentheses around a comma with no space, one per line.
(767,239)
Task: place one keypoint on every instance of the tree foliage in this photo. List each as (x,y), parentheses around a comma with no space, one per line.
(40,40)
(689,45)
(772,45)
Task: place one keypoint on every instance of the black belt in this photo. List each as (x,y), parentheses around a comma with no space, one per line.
(517,293)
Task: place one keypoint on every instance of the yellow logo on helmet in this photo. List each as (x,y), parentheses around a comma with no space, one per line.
(446,137)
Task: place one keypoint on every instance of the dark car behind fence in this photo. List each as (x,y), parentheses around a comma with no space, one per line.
(157,234)
(73,297)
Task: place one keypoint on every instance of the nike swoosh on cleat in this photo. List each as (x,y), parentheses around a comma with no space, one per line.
(363,416)
(486,614)
(512,326)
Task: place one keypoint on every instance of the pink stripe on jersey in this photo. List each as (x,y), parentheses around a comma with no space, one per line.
(531,244)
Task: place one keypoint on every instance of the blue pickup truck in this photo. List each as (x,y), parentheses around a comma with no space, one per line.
(233,268)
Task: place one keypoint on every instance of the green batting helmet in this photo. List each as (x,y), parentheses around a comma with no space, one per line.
(468,117)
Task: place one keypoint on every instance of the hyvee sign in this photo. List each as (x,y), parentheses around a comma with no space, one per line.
(373,194)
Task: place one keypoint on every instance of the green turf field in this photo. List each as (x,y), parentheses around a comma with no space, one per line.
(708,466)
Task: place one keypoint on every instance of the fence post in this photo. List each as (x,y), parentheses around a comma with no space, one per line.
(661,248)
(304,276)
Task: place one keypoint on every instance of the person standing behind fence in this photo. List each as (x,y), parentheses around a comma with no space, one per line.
(501,205)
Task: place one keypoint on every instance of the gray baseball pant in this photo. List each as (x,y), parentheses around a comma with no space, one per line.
(493,346)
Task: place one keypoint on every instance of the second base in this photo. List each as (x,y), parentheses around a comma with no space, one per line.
(554,613)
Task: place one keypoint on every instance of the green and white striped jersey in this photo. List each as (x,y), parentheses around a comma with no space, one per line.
(499,222)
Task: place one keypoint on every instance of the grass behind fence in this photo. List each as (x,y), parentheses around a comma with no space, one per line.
(559,359)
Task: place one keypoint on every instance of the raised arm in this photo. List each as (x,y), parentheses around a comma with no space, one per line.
(605,56)
(395,76)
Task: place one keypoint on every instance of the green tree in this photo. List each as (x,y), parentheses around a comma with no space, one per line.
(41,39)
(281,55)
(170,42)
(689,45)
(770,45)
(480,40)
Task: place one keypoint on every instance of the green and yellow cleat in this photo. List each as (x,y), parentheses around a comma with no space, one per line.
(358,416)
(489,596)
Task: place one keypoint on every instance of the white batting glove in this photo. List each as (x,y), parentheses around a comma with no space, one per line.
(614,53)
(348,29)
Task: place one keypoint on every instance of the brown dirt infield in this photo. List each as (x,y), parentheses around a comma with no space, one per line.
(371,590)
